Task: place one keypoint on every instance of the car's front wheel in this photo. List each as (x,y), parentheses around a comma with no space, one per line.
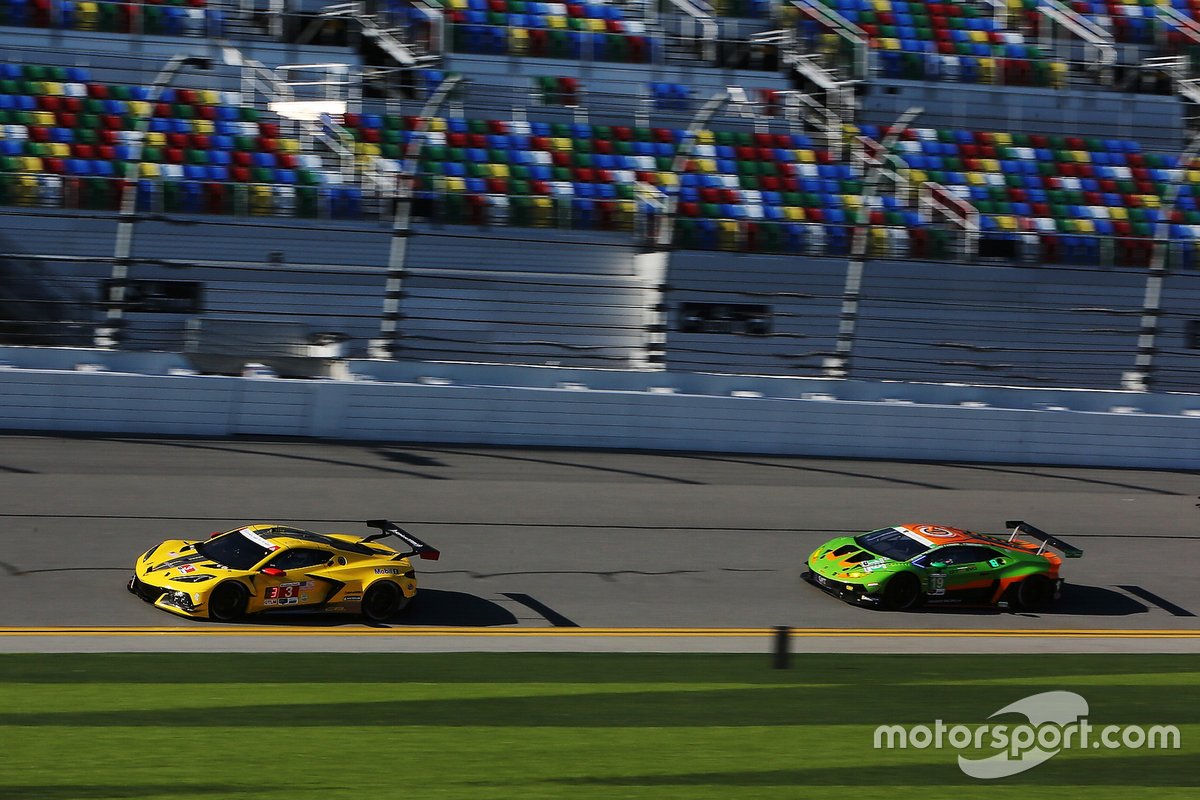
(228,602)
(382,601)
(902,592)
(1034,593)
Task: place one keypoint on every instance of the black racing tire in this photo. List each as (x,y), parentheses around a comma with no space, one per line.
(382,601)
(1034,593)
(228,602)
(902,592)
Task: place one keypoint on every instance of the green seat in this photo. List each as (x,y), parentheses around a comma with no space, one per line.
(520,210)
(306,201)
(248,114)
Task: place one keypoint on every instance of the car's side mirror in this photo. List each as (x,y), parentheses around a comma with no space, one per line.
(938,565)
(274,572)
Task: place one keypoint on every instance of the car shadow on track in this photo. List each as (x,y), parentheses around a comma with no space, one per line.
(432,607)
(1077,600)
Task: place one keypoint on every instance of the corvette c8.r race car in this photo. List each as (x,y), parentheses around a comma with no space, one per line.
(903,566)
(268,567)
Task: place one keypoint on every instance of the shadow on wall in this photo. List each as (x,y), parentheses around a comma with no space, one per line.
(37,310)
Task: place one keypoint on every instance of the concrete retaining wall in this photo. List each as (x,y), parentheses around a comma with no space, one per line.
(615,409)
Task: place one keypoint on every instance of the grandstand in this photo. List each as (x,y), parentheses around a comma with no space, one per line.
(996,192)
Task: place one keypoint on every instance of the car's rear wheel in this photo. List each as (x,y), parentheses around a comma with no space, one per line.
(1034,593)
(382,601)
(228,602)
(903,591)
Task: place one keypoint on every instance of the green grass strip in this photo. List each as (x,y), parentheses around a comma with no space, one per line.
(578,726)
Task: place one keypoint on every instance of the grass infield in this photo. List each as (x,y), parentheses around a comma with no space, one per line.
(184,726)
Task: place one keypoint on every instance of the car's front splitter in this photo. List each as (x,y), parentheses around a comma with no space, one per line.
(858,594)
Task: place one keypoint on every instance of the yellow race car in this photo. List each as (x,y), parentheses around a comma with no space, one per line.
(268,567)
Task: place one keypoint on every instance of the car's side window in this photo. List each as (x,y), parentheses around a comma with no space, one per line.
(961,554)
(298,558)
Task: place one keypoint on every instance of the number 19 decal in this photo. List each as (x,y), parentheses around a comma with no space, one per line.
(937,583)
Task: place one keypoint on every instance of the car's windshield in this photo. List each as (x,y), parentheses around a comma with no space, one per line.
(891,543)
(237,550)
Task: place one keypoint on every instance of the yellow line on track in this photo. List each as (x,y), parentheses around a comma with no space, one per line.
(274,630)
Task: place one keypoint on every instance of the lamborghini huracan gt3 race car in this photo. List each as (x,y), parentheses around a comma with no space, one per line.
(905,565)
(270,567)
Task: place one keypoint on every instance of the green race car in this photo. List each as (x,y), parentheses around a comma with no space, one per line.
(903,566)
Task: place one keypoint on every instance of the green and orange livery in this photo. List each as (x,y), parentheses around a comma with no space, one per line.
(905,565)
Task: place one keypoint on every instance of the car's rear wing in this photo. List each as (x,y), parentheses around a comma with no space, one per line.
(1018,526)
(419,548)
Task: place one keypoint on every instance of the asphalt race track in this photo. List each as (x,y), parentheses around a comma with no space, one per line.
(574,541)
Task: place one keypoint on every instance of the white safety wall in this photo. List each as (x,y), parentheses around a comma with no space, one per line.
(939,427)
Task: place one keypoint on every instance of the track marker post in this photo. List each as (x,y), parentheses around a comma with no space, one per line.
(781,649)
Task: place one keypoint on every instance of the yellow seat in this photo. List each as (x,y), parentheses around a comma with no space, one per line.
(879,241)
(210,97)
(976,179)
(1084,226)
(31,164)
(44,119)
(437,124)
(704,137)
(978,37)
(499,170)
(52,88)
(204,126)
(1002,139)
(1119,213)
(596,25)
(518,41)
(88,13)
(289,146)
(806,156)
(148,169)
(139,108)
(558,23)
(456,185)
(561,144)
(1007,222)
(261,199)
(990,165)
(668,179)
(917,176)
(543,212)
(987,69)
(794,213)
(60,150)
(707,165)
(156,139)
(727,234)
(1058,74)
(1151,200)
